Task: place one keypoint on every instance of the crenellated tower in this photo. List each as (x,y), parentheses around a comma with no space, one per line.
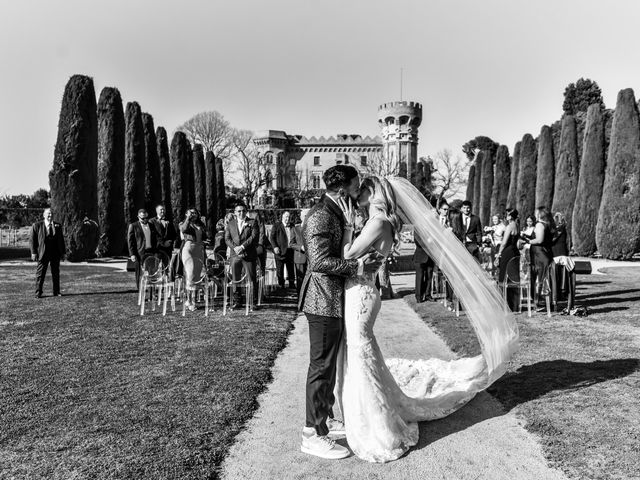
(399,122)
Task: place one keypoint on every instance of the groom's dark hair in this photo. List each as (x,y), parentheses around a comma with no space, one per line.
(339,176)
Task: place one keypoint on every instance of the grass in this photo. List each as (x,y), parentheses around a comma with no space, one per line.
(575,380)
(89,389)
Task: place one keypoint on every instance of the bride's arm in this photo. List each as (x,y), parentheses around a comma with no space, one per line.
(359,247)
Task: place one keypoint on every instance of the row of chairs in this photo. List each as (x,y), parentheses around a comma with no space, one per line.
(159,287)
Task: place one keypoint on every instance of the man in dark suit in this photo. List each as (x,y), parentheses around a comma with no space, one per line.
(241,236)
(47,247)
(282,239)
(472,230)
(299,253)
(141,239)
(424,273)
(166,234)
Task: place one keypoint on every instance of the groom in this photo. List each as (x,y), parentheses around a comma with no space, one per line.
(322,300)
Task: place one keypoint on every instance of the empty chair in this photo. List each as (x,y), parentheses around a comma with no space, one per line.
(154,276)
(517,278)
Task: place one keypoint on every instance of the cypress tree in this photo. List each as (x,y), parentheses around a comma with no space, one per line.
(527,177)
(111,218)
(73,178)
(501,181)
(152,180)
(220,191)
(180,158)
(512,196)
(566,181)
(165,169)
(590,181)
(211,192)
(200,179)
(486,188)
(134,168)
(546,168)
(618,229)
(191,183)
(477,182)
(471,183)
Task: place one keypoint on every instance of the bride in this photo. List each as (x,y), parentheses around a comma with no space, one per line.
(382,401)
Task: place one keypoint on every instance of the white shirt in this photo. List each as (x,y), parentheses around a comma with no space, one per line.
(241,224)
(46,226)
(147,235)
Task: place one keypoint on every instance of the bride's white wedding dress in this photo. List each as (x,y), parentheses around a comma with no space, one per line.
(382,401)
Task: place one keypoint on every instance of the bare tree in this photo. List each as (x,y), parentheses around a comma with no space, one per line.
(214,133)
(381,164)
(448,173)
(246,160)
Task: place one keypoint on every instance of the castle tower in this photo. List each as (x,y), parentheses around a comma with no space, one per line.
(399,122)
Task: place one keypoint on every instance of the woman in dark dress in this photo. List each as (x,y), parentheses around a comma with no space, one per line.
(507,251)
(541,253)
(559,247)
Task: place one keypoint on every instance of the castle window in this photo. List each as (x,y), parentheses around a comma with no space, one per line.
(280,159)
(316,162)
(315,180)
(292,162)
(268,157)
(363,160)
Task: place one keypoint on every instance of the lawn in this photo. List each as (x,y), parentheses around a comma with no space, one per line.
(89,389)
(575,380)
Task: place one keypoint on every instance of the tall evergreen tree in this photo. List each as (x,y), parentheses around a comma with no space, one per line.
(73,179)
(211,192)
(111,218)
(527,177)
(162,147)
(618,229)
(134,162)
(486,188)
(580,95)
(180,158)
(191,182)
(512,196)
(590,181)
(153,178)
(546,168)
(477,182)
(566,180)
(501,181)
(221,193)
(471,183)
(200,180)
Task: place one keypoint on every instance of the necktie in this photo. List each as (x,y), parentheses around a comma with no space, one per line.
(51,229)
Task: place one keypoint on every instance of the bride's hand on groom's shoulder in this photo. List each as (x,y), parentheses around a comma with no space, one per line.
(348,210)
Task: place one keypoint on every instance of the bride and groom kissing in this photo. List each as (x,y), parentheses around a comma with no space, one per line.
(381,400)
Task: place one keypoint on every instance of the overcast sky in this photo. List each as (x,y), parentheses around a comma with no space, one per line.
(490,67)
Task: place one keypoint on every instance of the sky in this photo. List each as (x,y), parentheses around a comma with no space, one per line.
(490,67)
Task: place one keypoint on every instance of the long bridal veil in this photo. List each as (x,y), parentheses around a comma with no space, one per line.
(493,323)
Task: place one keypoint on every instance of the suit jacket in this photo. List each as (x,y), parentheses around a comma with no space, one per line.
(164,234)
(322,291)
(248,238)
(420,256)
(297,243)
(278,238)
(136,241)
(474,231)
(37,240)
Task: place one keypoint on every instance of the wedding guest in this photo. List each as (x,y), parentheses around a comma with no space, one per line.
(141,240)
(47,248)
(541,255)
(241,236)
(299,253)
(166,234)
(472,229)
(424,273)
(559,245)
(219,245)
(528,232)
(193,252)
(263,240)
(507,251)
(496,230)
(281,238)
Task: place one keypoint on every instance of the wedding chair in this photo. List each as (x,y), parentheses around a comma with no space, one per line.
(217,265)
(196,287)
(518,275)
(544,286)
(260,277)
(270,275)
(230,286)
(174,284)
(153,279)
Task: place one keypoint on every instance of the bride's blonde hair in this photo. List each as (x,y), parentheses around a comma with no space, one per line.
(384,200)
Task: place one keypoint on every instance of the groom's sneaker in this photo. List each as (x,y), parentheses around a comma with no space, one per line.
(321,446)
(336,427)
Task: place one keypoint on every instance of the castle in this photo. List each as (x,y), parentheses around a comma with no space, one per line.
(292,165)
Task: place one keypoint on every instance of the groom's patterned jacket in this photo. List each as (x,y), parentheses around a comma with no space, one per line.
(322,291)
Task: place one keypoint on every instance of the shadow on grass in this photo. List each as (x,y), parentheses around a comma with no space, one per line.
(605,301)
(533,381)
(609,293)
(607,309)
(113,292)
